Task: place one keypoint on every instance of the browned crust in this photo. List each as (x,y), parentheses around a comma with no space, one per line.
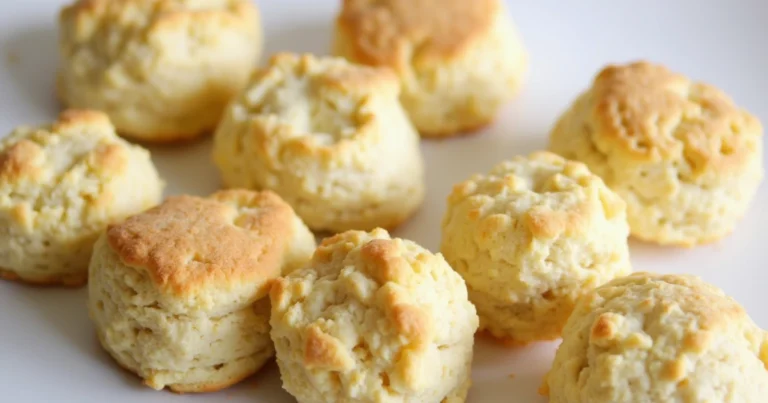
(325,352)
(73,281)
(396,33)
(20,160)
(650,113)
(190,243)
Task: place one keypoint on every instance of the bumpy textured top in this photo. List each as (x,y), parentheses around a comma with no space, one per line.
(192,246)
(659,338)
(128,32)
(377,310)
(550,195)
(316,107)
(647,113)
(530,237)
(397,32)
(73,158)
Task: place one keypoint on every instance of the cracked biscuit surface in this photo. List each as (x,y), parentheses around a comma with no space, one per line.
(530,238)
(178,293)
(373,319)
(659,338)
(684,157)
(459,61)
(330,138)
(60,185)
(163,70)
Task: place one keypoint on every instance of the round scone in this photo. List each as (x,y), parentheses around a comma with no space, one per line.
(685,159)
(373,319)
(459,61)
(530,238)
(163,70)
(329,137)
(60,186)
(659,338)
(179,293)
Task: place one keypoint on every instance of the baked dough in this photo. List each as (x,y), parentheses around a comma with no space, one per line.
(684,157)
(178,293)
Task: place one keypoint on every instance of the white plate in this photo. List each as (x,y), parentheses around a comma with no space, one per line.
(48,351)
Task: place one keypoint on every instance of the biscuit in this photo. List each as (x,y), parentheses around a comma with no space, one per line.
(163,70)
(373,319)
(60,185)
(178,293)
(659,338)
(330,138)
(685,159)
(459,61)
(530,238)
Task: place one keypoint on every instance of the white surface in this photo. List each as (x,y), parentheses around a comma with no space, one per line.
(48,351)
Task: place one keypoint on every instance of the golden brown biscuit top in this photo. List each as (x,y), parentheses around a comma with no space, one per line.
(396,32)
(79,141)
(653,114)
(89,18)
(189,244)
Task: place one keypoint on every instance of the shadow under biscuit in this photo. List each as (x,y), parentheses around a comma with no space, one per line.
(312,37)
(265,382)
(30,58)
(500,372)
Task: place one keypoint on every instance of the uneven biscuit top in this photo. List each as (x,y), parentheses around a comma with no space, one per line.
(35,161)
(373,307)
(653,331)
(156,16)
(134,36)
(315,106)
(650,114)
(190,244)
(555,196)
(396,32)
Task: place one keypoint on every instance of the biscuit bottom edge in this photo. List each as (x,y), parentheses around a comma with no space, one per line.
(64,280)
(511,342)
(469,130)
(687,243)
(252,364)
(257,362)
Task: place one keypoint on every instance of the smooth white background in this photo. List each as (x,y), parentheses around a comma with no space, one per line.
(48,351)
